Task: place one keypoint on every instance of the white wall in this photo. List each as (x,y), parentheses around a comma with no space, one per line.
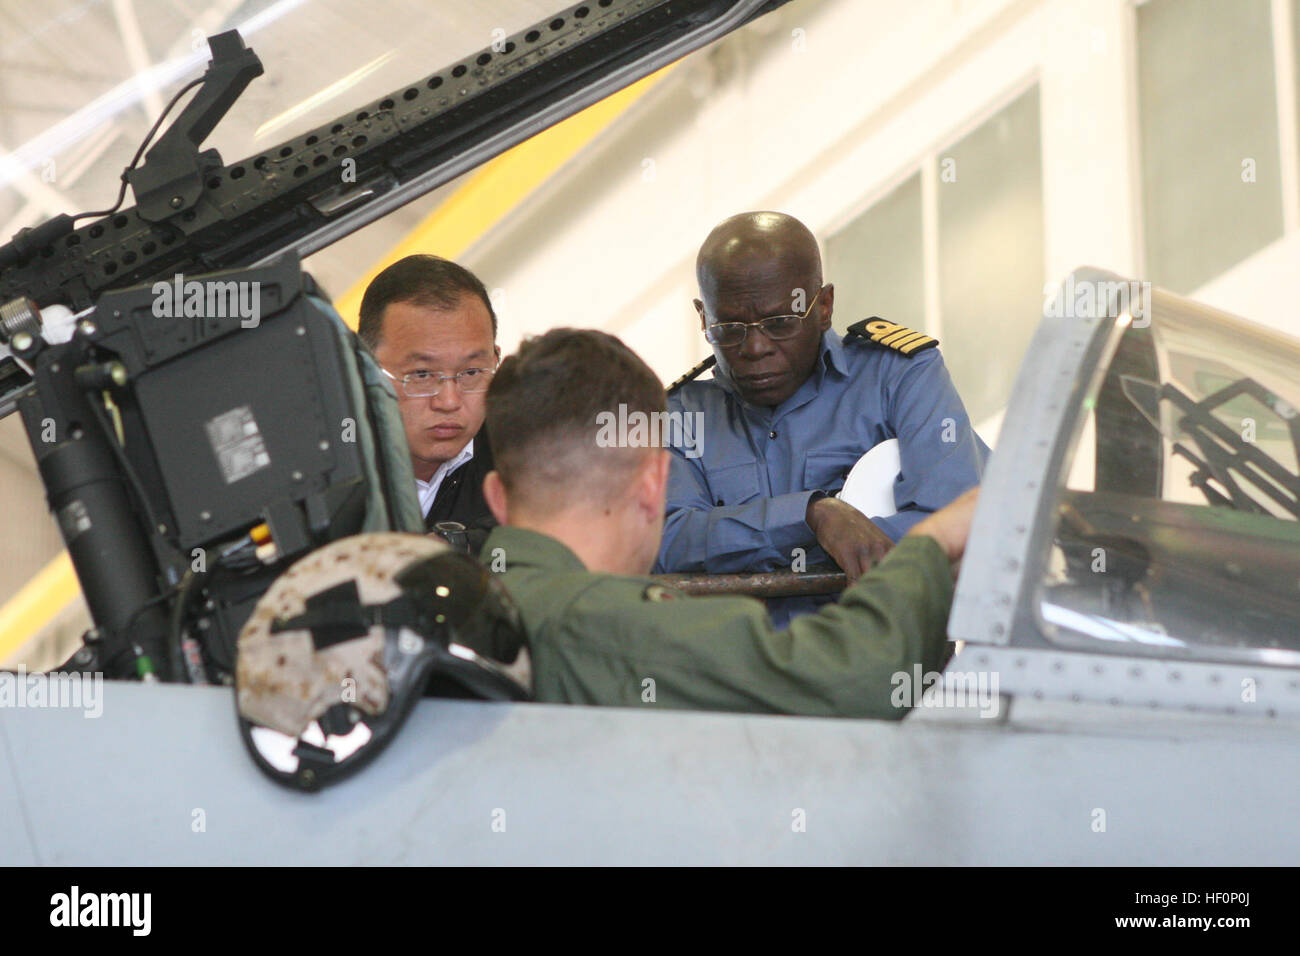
(818,110)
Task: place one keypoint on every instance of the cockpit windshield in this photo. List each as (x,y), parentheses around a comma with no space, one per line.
(1178,523)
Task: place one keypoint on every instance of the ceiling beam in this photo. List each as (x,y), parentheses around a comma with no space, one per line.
(137,55)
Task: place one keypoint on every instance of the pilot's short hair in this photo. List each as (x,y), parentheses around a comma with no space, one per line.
(544,413)
(430,281)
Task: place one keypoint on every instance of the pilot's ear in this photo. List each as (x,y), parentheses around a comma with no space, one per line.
(827,301)
(699,307)
(494,493)
(496,350)
(652,483)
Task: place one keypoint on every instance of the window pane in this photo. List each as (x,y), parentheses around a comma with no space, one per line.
(991,253)
(875,262)
(1208,113)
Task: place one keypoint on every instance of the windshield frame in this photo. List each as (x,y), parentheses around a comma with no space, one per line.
(1000,595)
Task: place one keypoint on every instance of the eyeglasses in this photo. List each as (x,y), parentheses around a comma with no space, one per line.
(425,384)
(729,335)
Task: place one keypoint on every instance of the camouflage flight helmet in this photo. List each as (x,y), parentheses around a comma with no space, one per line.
(341,645)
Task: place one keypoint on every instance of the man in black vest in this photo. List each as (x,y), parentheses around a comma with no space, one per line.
(431,327)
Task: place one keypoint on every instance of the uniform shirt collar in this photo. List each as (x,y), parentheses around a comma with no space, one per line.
(532,549)
(833,357)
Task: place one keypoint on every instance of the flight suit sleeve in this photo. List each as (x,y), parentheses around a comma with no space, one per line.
(722,653)
(941,456)
(702,535)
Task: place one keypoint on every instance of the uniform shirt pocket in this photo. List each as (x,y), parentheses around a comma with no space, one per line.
(826,470)
(734,484)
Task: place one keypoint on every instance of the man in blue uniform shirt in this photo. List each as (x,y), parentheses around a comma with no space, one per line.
(791,408)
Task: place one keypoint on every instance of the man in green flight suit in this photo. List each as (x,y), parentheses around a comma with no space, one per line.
(581,511)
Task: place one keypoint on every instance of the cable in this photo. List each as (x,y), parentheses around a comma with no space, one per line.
(121,193)
(153,601)
(131,646)
(101,418)
(175,649)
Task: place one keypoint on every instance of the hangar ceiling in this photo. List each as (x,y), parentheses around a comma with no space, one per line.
(81,82)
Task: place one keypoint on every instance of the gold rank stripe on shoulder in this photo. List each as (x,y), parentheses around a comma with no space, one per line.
(891,335)
(694,373)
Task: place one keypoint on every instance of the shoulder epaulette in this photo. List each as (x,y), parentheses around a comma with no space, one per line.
(891,335)
(699,370)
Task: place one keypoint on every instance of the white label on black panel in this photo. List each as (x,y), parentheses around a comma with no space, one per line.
(238,444)
(74,520)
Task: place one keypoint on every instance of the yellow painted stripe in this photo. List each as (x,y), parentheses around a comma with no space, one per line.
(36,604)
(484,200)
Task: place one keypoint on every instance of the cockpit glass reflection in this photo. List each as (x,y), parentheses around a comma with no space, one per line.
(1178,523)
